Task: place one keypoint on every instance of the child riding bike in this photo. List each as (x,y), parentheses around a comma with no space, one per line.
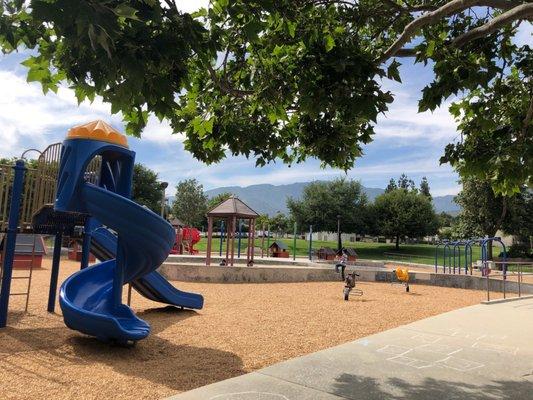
(349,280)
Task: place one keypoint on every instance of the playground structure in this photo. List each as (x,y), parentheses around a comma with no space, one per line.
(452,262)
(93,170)
(189,237)
(231,211)
(402,276)
(186,238)
(452,255)
(29,251)
(75,252)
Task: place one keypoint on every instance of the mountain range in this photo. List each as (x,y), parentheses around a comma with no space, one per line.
(271,199)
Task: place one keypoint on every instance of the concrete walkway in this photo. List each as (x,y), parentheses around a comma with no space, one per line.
(478,352)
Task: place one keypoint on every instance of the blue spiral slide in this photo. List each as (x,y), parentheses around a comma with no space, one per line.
(91,299)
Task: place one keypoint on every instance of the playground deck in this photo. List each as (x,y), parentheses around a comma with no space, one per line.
(243,327)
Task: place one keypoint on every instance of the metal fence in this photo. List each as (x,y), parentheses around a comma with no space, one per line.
(511,274)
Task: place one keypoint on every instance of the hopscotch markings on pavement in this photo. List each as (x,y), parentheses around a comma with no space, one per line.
(497,348)
(476,336)
(459,364)
(443,354)
(439,348)
(395,350)
(426,338)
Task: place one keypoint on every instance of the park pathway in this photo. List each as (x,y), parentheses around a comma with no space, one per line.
(478,352)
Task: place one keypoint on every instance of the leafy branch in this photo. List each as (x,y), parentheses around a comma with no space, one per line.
(448,9)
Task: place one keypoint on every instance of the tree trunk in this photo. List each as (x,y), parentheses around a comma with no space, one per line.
(489,250)
(397,242)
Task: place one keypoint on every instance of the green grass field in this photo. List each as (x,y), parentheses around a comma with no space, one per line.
(416,253)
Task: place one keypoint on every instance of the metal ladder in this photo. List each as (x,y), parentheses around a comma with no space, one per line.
(28,277)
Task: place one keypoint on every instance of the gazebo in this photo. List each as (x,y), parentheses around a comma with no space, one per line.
(232,210)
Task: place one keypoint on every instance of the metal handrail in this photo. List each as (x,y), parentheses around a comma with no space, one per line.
(519,273)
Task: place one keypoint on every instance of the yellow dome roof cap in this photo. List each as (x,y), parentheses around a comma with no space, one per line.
(98,130)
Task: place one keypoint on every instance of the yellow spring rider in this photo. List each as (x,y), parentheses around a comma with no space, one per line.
(402,275)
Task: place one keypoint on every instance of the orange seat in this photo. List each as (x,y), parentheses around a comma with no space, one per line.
(402,274)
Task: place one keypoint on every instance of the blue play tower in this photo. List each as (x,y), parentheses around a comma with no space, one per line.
(133,239)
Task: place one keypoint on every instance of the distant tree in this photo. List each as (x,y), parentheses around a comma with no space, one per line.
(218,199)
(190,204)
(446,233)
(146,189)
(405,183)
(424,188)
(280,223)
(484,213)
(323,201)
(446,220)
(402,213)
(520,219)
(391,186)
(263,221)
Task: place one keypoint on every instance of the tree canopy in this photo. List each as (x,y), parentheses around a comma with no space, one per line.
(190,203)
(146,189)
(484,213)
(404,213)
(322,202)
(291,79)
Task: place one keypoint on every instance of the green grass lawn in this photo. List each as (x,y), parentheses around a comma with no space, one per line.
(416,253)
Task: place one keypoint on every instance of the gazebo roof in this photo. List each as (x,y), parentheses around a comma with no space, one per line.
(232,207)
(176,222)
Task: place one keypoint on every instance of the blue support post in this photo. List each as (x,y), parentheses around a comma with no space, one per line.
(86,245)
(239,241)
(437,257)
(454,260)
(54,273)
(118,278)
(221,238)
(311,242)
(10,241)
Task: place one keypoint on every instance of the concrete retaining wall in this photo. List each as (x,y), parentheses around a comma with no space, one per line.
(256,274)
(267,261)
(266,274)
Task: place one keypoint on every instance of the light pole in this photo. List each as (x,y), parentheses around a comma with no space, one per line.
(163,186)
(339,242)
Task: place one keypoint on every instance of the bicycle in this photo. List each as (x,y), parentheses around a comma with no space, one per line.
(349,286)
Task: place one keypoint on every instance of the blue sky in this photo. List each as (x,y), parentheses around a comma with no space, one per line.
(406,142)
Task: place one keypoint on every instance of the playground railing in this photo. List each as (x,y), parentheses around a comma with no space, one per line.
(6,181)
(510,272)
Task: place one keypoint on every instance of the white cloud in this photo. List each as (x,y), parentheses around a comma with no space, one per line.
(160,132)
(191,5)
(30,119)
(403,121)
(524,35)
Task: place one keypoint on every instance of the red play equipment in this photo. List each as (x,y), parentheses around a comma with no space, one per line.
(186,238)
